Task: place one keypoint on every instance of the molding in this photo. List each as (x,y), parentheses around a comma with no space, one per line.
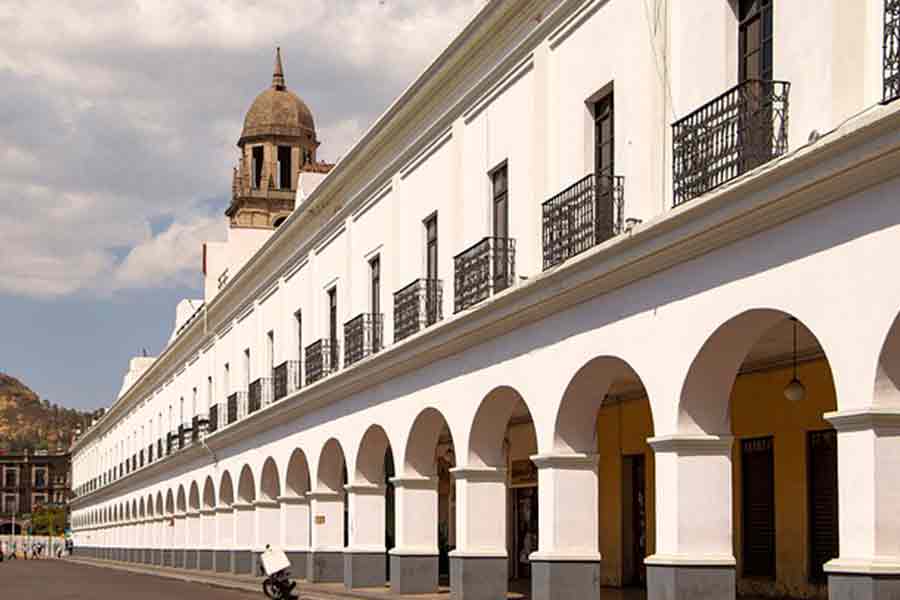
(242,506)
(883,420)
(266,504)
(223,509)
(325,495)
(414,551)
(571,461)
(563,557)
(693,444)
(487,98)
(415,483)
(365,549)
(292,500)
(690,560)
(478,554)
(878,565)
(479,474)
(365,489)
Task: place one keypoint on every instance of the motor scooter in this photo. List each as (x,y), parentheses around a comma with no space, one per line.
(278,584)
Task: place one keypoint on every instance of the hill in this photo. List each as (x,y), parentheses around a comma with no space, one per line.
(26,421)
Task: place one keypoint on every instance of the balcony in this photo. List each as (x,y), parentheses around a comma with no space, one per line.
(362,337)
(744,128)
(417,306)
(237,406)
(199,427)
(585,214)
(185,435)
(286,379)
(321,359)
(149,454)
(482,270)
(159,449)
(213,418)
(259,394)
(891,58)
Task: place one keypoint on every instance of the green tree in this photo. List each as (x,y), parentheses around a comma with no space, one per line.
(48,520)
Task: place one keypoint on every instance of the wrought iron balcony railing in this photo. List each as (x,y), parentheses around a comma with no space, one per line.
(891,58)
(416,306)
(362,337)
(286,379)
(259,394)
(237,406)
(745,127)
(321,359)
(585,214)
(149,454)
(199,427)
(213,418)
(482,270)
(159,448)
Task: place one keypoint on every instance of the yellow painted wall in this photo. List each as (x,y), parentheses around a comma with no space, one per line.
(758,409)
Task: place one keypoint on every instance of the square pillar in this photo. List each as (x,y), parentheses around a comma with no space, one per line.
(566,565)
(267,527)
(179,532)
(224,539)
(192,539)
(325,563)
(414,560)
(478,566)
(868,567)
(207,544)
(694,557)
(244,538)
(295,531)
(365,558)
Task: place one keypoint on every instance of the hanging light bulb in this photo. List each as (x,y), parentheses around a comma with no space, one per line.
(795,391)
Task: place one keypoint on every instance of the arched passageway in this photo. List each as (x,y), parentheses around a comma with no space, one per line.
(295,512)
(244,524)
(753,467)
(207,542)
(224,525)
(325,562)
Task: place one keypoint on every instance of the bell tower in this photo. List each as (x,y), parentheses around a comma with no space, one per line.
(277,143)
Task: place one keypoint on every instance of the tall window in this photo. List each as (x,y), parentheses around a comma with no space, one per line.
(181,410)
(755,40)
(604,167)
(226,380)
(431,247)
(193,402)
(284,167)
(257,166)
(332,325)
(758,486)
(270,353)
(500,202)
(298,320)
(246,368)
(209,392)
(375,302)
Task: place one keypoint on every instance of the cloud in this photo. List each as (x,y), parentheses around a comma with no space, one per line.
(117,114)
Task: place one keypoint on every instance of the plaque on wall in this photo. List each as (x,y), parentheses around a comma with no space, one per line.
(523,472)
(320,519)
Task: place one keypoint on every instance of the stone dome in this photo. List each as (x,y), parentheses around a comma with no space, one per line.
(278,111)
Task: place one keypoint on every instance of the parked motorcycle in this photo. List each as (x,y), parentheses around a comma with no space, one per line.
(278,584)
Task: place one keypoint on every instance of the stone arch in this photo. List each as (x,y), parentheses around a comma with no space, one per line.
(330,471)
(423,438)
(181,500)
(488,430)
(159,504)
(194,497)
(575,427)
(886,392)
(209,494)
(704,405)
(226,490)
(170,503)
(246,486)
(269,482)
(297,476)
(370,456)
(142,508)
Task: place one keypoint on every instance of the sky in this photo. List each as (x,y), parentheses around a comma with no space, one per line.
(118,125)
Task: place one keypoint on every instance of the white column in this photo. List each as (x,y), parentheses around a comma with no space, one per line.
(224,528)
(327,533)
(868,503)
(414,559)
(244,526)
(366,518)
(694,551)
(268,524)
(207,529)
(194,533)
(294,524)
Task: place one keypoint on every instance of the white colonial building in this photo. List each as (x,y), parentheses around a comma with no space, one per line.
(609,296)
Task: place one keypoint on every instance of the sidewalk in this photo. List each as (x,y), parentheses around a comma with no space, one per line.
(248,583)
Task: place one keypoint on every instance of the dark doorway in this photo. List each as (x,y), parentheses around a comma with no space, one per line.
(634,520)
(389,509)
(758,500)
(823,501)
(525,512)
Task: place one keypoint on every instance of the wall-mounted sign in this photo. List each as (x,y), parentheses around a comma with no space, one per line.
(320,519)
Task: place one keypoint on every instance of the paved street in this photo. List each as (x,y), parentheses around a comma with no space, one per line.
(63,580)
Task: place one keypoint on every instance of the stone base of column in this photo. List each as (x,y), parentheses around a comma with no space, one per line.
(146,556)
(156,556)
(478,577)
(364,569)
(130,553)
(414,574)
(325,567)
(178,559)
(168,557)
(564,580)
(205,560)
(190,559)
(690,582)
(222,561)
(863,586)
(298,563)
(242,562)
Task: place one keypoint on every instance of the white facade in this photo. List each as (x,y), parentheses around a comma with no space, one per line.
(674,305)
